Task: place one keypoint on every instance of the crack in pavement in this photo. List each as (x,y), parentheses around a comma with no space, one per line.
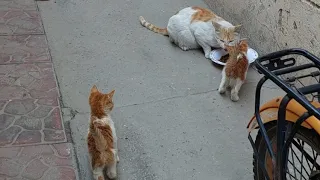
(165,99)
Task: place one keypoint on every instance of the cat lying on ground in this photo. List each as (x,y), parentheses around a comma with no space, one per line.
(195,27)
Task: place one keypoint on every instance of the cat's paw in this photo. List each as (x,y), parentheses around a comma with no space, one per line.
(234,97)
(222,90)
(184,48)
(207,55)
(100,178)
(111,174)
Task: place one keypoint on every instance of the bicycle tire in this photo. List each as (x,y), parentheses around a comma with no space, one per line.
(308,136)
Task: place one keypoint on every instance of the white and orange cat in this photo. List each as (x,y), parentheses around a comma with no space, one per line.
(235,71)
(195,27)
(102,139)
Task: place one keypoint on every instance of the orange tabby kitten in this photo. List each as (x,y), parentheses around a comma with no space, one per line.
(235,71)
(102,139)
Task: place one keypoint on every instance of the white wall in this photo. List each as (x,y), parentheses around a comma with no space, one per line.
(272,25)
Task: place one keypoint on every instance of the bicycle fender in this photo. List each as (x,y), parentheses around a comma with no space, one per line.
(269,112)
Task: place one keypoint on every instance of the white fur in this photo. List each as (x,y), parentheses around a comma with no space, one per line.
(234,84)
(97,172)
(194,35)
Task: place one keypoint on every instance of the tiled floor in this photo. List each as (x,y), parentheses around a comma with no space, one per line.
(29,105)
(45,162)
(23,49)
(32,136)
(19,17)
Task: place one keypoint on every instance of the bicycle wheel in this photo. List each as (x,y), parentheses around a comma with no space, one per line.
(303,161)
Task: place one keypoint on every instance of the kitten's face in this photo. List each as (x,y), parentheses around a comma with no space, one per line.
(100,100)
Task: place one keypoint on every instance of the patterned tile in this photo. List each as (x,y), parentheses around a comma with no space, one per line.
(29,107)
(43,162)
(18,5)
(18,21)
(24,49)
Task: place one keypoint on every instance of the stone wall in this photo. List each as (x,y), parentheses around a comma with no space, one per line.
(272,25)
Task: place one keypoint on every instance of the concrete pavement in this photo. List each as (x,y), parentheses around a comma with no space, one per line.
(171,121)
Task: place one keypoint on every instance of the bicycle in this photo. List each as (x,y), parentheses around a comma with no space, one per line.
(287,123)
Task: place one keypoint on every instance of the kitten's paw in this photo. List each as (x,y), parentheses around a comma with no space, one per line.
(111,174)
(207,55)
(222,90)
(234,97)
(100,178)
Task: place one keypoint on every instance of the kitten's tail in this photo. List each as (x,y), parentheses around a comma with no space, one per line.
(152,27)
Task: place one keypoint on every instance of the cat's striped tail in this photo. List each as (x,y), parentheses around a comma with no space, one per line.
(152,27)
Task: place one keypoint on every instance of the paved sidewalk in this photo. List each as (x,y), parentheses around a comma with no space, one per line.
(33,140)
(171,122)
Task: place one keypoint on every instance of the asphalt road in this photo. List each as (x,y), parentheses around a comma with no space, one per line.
(171,121)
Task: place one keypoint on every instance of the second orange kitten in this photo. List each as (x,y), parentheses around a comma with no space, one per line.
(235,71)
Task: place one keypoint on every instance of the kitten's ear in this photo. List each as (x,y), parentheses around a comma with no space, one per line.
(110,95)
(243,41)
(94,89)
(216,25)
(237,27)
(243,45)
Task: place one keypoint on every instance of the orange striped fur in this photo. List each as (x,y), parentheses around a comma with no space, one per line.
(203,14)
(237,64)
(152,27)
(100,138)
(235,71)
(227,34)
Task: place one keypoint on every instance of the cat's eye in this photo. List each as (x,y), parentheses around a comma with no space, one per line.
(222,40)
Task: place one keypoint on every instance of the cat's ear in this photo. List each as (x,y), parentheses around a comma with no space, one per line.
(94,89)
(243,45)
(237,27)
(243,41)
(110,95)
(216,25)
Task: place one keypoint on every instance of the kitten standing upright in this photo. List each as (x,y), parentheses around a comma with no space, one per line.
(102,139)
(195,27)
(235,71)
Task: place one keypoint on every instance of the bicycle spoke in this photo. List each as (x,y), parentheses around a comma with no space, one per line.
(308,165)
(301,162)
(295,174)
(291,176)
(297,170)
(302,166)
(308,157)
(315,160)
(306,161)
